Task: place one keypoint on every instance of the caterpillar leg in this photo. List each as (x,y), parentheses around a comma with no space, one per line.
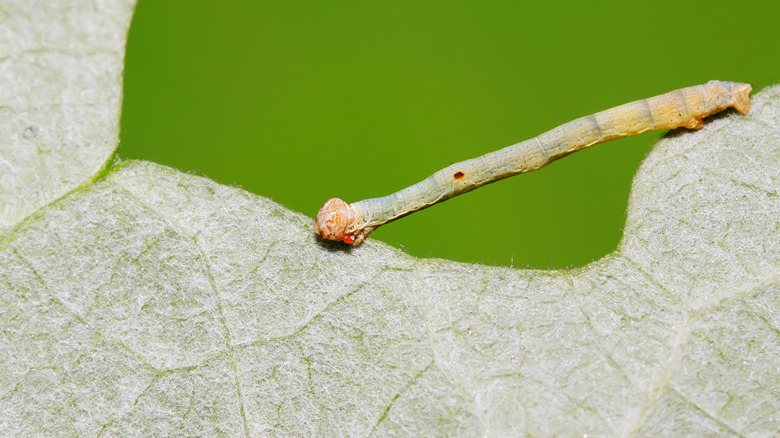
(694,123)
(740,98)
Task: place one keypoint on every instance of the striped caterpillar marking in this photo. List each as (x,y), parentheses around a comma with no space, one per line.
(685,107)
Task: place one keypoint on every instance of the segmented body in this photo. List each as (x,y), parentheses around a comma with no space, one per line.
(685,107)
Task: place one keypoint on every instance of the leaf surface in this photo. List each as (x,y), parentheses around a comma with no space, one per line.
(61,65)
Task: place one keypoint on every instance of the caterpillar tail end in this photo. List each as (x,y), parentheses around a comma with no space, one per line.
(740,98)
(337,220)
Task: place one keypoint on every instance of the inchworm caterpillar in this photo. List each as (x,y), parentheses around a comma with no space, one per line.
(685,107)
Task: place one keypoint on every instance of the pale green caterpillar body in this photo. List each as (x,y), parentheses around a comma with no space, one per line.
(685,107)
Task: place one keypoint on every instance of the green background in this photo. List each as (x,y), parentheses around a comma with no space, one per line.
(301,101)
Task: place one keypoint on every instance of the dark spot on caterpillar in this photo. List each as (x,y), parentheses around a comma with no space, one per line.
(459,175)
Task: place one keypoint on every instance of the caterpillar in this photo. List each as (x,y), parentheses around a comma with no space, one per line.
(686,107)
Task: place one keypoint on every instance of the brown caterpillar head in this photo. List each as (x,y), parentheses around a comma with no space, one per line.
(334,219)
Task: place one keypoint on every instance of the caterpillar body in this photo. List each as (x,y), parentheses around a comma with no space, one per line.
(685,107)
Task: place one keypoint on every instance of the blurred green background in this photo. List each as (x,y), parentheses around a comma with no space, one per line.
(300,101)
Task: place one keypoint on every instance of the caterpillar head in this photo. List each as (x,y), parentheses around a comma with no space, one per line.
(336,220)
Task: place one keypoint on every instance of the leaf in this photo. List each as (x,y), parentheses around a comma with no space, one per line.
(153,302)
(60,98)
